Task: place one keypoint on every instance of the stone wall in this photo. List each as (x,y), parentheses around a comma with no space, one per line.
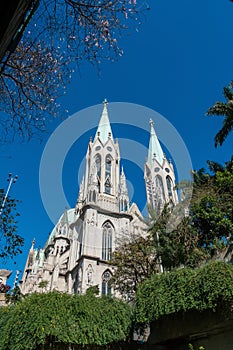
(212,330)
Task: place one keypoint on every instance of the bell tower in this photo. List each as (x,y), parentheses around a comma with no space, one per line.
(159,175)
(101,183)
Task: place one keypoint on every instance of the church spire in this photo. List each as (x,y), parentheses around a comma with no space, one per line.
(104,131)
(80,200)
(155,150)
(123,186)
(123,193)
(31,253)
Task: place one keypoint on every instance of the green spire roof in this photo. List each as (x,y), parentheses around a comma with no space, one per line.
(104,130)
(155,150)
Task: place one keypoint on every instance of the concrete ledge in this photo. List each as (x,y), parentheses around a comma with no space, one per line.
(174,331)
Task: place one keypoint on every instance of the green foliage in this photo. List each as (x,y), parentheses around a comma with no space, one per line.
(184,289)
(191,347)
(93,290)
(135,258)
(208,228)
(211,208)
(10,241)
(43,284)
(43,319)
(177,246)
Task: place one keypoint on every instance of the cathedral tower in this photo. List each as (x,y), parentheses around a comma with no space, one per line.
(159,175)
(101,182)
(103,211)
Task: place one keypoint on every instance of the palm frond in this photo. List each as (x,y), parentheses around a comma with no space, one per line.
(224,132)
(228,93)
(214,166)
(219,109)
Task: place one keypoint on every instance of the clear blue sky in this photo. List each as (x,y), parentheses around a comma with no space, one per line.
(177,65)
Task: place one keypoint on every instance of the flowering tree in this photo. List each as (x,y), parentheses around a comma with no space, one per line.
(61,34)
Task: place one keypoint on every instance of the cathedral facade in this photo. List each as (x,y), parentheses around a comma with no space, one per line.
(77,253)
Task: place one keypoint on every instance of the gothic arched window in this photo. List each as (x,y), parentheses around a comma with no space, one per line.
(123,205)
(108,171)
(169,186)
(159,185)
(149,190)
(106,285)
(98,168)
(107,241)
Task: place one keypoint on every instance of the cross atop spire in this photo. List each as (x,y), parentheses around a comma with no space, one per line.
(155,151)
(104,131)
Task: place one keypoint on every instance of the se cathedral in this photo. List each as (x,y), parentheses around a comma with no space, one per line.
(75,256)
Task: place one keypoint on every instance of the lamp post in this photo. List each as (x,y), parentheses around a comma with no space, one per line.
(16,278)
(11,179)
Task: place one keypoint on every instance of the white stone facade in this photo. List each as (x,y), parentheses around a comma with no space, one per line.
(76,255)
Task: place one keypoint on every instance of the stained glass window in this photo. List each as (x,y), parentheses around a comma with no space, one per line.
(106,285)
